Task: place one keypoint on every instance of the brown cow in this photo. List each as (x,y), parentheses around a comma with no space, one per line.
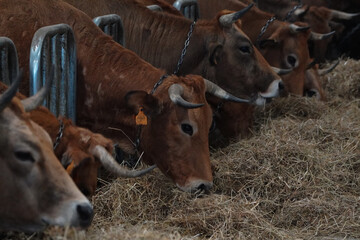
(35,189)
(176,135)
(218,49)
(283,45)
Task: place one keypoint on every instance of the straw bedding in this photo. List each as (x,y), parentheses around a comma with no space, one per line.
(297,177)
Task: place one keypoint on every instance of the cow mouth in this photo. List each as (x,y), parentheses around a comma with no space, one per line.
(196,187)
(273,91)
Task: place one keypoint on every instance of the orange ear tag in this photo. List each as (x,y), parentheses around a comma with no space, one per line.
(70,168)
(141,118)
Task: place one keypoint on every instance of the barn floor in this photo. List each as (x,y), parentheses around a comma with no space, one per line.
(298,177)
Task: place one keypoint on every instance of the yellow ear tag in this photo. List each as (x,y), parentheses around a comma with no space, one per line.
(141,118)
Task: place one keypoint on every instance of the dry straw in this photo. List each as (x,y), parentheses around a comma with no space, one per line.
(298,177)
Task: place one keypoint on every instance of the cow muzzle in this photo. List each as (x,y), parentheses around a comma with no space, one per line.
(77,213)
(196,186)
(272,91)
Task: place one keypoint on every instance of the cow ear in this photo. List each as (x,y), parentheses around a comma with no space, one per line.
(140,99)
(267,43)
(215,53)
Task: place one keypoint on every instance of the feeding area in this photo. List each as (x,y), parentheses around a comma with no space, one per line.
(297,177)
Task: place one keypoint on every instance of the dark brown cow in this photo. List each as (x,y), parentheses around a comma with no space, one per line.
(343,5)
(176,135)
(283,45)
(320,20)
(35,189)
(76,149)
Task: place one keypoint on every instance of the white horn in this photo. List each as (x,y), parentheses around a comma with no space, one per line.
(324,71)
(111,165)
(343,15)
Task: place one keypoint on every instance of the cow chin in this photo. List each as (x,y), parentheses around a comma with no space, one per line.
(196,185)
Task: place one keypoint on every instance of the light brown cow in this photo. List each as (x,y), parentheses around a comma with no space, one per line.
(35,189)
(76,149)
(176,135)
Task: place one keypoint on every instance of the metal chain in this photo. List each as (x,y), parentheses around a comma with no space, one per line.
(59,135)
(158,83)
(264,28)
(183,52)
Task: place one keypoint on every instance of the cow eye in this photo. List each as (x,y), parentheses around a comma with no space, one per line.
(24,156)
(291,60)
(244,49)
(187,128)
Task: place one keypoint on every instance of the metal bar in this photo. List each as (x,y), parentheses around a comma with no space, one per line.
(189,8)
(54,47)
(105,22)
(9,67)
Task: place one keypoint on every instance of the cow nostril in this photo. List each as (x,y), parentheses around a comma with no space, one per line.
(85,212)
(281,86)
(203,188)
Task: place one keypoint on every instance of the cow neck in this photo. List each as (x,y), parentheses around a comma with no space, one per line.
(253,24)
(124,71)
(159,38)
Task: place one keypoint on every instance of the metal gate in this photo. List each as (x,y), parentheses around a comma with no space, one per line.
(9,67)
(188,8)
(54,46)
(111,25)
(155,8)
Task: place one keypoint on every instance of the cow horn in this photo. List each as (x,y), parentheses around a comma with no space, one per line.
(322,72)
(6,97)
(319,36)
(228,19)
(111,165)
(301,11)
(175,92)
(34,101)
(343,15)
(217,91)
(281,71)
(295,29)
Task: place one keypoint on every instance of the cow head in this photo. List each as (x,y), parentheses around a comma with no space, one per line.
(35,189)
(236,65)
(81,151)
(176,135)
(75,155)
(286,47)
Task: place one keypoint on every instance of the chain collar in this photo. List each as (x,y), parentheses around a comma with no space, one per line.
(263,29)
(183,52)
(162,78)
(59,135)
(288,15)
